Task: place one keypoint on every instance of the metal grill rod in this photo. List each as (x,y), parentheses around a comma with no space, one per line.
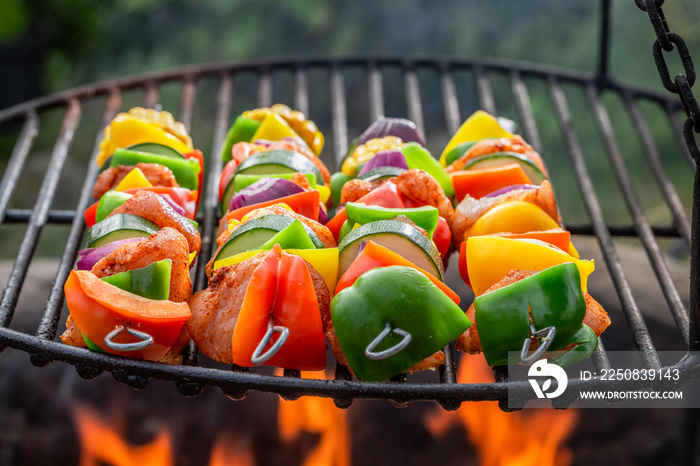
(52,311)
(30,129)
(680,314)
(640,333)
(40,214)
(658,169)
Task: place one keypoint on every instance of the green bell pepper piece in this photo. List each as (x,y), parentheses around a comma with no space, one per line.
(243,180)
(407,301)
(338,179)
(345,228)
(108,202)
(551,297)
(425,217)
(151,281)
(460,149)
(242,129)
(186,171)
(586,342)
(418,157)
(293,236)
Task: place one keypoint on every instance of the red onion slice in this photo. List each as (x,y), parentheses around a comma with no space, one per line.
(87,258)
(510,188)
(176,207)
(399,127)
(322,216)
(265,189)
(385,158)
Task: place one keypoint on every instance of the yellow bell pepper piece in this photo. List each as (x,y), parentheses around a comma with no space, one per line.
(305,129)
(134,179)
(324,192)
(325,261)
(490,258)
(127,130)
(231,224)
(192,257)
(480,125)
(273,128)
(514,217)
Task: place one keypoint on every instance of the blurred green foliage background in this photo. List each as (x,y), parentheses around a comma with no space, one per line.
(81,41)
(50,45)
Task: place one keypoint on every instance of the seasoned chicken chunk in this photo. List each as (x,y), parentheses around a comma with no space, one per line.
(156,174)
(152,207)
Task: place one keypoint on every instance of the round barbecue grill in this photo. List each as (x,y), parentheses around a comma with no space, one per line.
(451,74)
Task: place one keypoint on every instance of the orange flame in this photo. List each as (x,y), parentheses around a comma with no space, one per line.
(101,444)
(513,439)
(231,451)
(318,416)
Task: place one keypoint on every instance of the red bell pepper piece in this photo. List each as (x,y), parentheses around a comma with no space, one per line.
(442,237)
(90,215)
(386,195)
(185,198)
(375,255)
(98,308)
(305,204)
(226,175)
(281,289)
(199,157)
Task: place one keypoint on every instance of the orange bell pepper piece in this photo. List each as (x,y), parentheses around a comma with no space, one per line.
(281,289)
(98,308)
(305,204)
(479,183)
(554,236)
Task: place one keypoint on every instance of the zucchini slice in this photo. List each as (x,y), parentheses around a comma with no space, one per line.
(276,162)
(503,158)
(119,226)
(256,232)
(155,148)
(400,237)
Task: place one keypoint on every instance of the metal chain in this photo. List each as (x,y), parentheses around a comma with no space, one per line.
(683,83)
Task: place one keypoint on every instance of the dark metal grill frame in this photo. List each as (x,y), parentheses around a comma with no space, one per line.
(191,378)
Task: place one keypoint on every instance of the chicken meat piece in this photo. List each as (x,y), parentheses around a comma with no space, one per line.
(215,309)
(300,180)
(469,210)
(489,146)
(423,188)
(155,173)
(596,317)
(72,335)
(166,243)
(151,206)
(354,189)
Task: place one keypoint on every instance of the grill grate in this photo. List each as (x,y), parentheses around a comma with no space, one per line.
(190,376)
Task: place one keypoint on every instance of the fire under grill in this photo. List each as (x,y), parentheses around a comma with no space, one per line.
(343,96)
